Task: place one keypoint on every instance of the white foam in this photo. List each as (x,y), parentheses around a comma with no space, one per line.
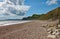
(4,23)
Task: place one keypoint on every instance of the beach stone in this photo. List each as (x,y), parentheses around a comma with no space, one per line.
(30,30)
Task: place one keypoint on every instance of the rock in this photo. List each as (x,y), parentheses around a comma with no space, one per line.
(51,36)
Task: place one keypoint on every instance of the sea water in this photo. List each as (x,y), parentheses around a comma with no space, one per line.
(5,23)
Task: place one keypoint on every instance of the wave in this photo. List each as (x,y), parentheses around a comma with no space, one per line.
(5,23)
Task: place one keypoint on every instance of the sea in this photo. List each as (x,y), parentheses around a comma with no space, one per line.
(11,22)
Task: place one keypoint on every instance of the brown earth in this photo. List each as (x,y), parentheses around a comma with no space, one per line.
(29,30)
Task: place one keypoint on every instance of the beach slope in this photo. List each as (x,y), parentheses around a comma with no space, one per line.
(29,30)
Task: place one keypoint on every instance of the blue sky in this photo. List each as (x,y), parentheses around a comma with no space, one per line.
(37,7)
(1,0)
(41,6)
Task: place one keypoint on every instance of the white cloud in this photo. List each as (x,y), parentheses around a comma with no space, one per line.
(9,9)
(0,4)
(50,2)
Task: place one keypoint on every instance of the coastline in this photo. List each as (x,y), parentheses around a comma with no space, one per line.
(6,23)
(29,30)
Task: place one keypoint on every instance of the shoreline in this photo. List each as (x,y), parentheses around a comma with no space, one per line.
(30,30)
(6,23)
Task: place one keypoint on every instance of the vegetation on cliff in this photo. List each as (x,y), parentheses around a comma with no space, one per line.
(54,14)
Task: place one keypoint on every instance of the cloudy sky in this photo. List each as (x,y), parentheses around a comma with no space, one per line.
(41,6)
(11,9)
(37,7)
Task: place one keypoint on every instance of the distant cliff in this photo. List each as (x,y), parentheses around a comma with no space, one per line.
(54,14)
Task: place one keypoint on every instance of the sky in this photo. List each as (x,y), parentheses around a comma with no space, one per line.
(1,0)
(41,6)
(37,7)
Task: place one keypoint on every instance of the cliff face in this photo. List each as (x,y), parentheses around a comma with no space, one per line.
(53,14)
